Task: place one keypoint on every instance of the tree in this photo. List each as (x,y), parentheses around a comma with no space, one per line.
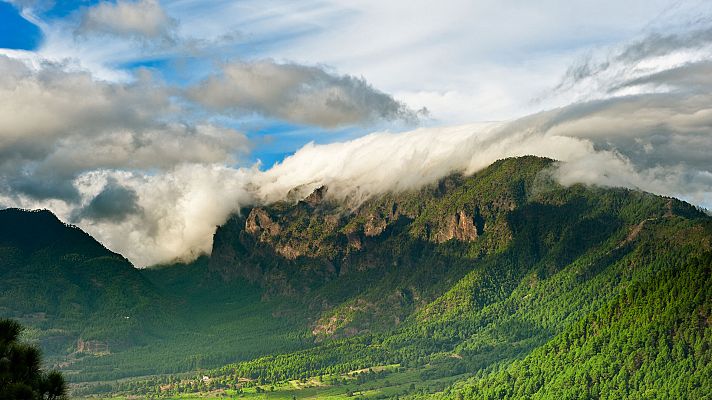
(20,374)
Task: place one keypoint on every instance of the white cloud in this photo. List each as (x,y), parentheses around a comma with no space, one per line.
(180,209)
(151,175)
(297,93)
(58,124)
(144,19)
(172,215)
(485,59)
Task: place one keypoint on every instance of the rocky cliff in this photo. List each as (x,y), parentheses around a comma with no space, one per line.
(368,267)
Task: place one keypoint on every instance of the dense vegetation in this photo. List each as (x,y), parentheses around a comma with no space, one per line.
(66,287)
(498,285)
(21,376)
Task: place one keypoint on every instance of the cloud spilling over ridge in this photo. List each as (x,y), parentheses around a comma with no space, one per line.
(382,162)
(657,141)
(297,93)
(136,166)
(597,146)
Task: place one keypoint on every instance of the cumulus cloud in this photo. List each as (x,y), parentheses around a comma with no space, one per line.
(114,203)
(143,19)
(173,214)
(58,124)
(114,158)
(297,93)
(152,218)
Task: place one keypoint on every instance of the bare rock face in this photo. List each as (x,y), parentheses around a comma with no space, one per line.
(374,226)
(354,241)
(260,224)
(92,347)
(316,197)
(288,252)
(459,226)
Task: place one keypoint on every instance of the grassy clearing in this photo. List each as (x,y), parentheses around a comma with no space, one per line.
(395,381)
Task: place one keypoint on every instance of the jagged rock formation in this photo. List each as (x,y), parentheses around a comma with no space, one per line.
(374,226)
(316,197)
(261,225)
(460,227)
(318,239)
(295,248)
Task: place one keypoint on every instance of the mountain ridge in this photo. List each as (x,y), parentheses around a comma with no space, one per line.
(321,242)
(448,281)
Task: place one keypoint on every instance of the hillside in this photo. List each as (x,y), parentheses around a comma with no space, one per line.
(502,284)
(78,296)
(97,317)
(480,279)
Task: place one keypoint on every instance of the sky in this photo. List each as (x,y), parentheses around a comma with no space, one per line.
(147,123)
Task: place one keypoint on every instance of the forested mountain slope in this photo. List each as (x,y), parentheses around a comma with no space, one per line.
(499,284)
(77,295)
(530,288)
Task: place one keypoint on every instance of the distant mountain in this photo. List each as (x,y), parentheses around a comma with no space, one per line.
(97,317)
(503,284)
(40,230)
(78,295)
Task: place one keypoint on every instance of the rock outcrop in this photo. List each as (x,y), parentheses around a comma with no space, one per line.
(460,226)
(374,226)
(316,197)
(287,251)
(261,225)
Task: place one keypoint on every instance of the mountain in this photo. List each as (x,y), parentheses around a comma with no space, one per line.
(78,296)
(97,317)
(502,284)
(374,265)
(513,284)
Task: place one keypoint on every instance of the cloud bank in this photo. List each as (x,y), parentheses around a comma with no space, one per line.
(151,168)
(140,164)
(297,93)
(58,124)
(142,19)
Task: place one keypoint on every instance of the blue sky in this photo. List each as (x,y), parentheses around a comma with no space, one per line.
(172,103)
(179,69)
(15,31)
